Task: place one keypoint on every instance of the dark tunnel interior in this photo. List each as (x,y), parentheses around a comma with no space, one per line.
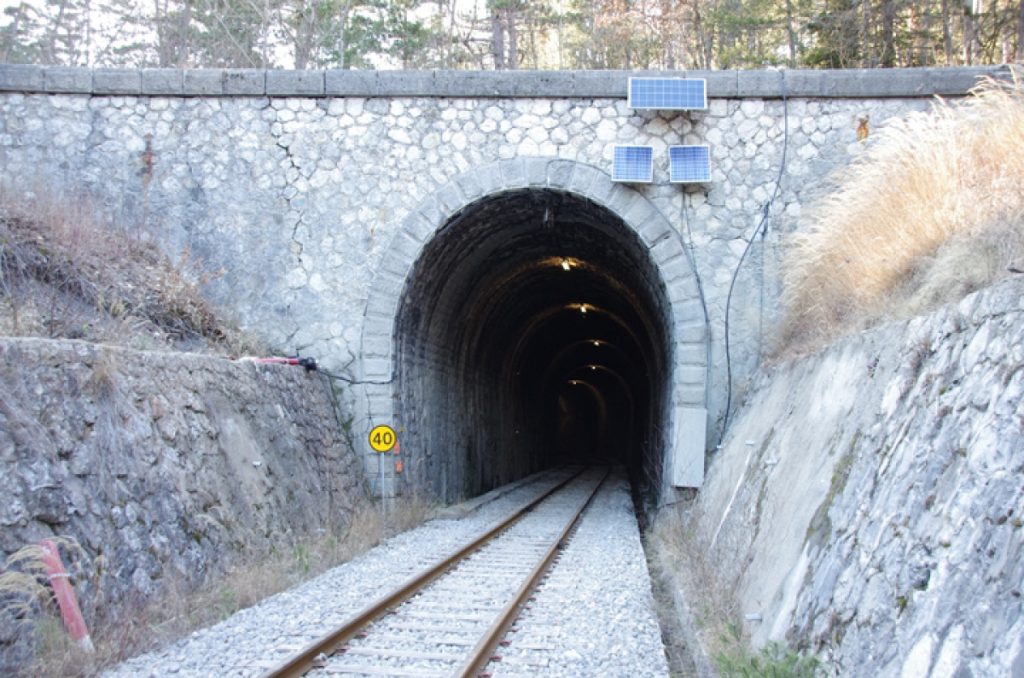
(532,332)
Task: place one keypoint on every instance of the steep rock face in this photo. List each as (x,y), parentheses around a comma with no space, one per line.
(868,503)
(164,467)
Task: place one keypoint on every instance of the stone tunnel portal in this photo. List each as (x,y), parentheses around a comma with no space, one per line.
(533,331)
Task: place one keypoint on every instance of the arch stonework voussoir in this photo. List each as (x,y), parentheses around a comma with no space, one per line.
(688,415)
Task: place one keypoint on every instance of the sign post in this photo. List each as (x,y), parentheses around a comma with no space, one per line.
(382,439)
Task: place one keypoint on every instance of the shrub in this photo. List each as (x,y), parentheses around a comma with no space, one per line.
(934,209)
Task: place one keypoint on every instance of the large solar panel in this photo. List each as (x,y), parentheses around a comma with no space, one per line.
(689,164)
(668,94)
(633,164)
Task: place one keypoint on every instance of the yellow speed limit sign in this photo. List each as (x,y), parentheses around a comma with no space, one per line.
(383,438)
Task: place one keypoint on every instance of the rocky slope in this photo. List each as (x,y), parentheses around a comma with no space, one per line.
(867,505)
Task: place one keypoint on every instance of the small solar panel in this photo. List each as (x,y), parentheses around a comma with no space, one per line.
(668,94)
(689,164)
(633,164)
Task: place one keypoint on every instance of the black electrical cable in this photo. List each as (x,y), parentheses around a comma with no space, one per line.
(753,236)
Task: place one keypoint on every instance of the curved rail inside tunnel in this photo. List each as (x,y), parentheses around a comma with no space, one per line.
(533,330)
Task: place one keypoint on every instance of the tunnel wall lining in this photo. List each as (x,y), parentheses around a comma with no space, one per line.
(684,464)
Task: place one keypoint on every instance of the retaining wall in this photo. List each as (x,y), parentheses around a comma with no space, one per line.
(166,468)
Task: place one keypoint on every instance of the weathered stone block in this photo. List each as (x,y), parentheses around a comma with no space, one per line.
(513,173)
(377,369)
(690,353)
(691,396)
(689,333)
(759,84)
(345,83)
(691,375)
(956,81)
(377,347)
(20,78)
(490,178)
(203,82)
(721,84)
(295,83)
(406,83)
(666,250)
(382,305)
(584,177)
(67,80)
(536,171)
(251,82)
(405,245)
(417,226)
(600,84)
(458,84)
(116,81)
(560,173)
(162,81)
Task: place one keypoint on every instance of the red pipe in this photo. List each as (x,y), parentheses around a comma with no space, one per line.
(274,361)
(308,363)
(65,595)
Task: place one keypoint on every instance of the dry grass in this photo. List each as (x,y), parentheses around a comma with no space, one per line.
(23,583)
(933,210)
(181,610)
(67,271)
(675,551)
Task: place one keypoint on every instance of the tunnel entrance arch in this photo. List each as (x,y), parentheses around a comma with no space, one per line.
(533,312)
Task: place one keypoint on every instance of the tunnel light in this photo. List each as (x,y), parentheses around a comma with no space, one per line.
(593,368)
(566,265)
(596,342)
(583,309)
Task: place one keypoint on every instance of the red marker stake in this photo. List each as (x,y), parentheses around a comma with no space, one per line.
(65,595)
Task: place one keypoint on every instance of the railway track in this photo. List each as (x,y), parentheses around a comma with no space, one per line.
(448,619)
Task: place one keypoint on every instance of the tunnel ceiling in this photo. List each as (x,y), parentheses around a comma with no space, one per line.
(531,332)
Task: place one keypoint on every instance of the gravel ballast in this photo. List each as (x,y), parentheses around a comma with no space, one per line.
(592,616)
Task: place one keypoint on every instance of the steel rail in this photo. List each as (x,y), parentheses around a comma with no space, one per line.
(481,654)
(327,644)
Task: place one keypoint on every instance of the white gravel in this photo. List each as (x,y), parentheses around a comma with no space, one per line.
(595,610)
(594,613)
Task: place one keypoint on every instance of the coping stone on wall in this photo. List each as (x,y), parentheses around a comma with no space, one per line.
(597,85)
(167,81)
(244,81)
(204,82)
(721,84)
(406,83)
(351,84)
(67,80)
(295,83)
(453,83)
(117,81)
(854,83)
(21,78)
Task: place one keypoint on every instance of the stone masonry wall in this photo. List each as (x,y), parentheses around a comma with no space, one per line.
(297,184)
(868,502)
(166,468)
(302,186)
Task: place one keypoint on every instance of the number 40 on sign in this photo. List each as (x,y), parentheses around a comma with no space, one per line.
(383,438)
